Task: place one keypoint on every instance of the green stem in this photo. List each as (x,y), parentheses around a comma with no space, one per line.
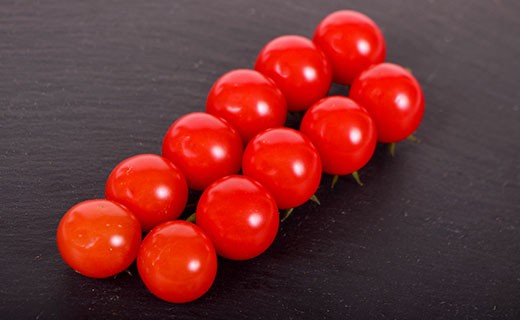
(391,147)
(315,199)
(355,174)
(413,139)
(334,181)
(191,218)
(287,213)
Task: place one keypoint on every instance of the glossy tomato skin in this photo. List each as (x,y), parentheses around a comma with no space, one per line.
(204,147)
(240,217)
(150,186)
(247,100)
(177,262)
(343,132)
(298,67)
(394,99)
(285,162)
(351,41)
(98,238)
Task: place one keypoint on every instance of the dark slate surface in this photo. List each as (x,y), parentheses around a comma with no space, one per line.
(433,234)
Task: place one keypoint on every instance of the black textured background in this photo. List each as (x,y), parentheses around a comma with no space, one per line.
(433,234)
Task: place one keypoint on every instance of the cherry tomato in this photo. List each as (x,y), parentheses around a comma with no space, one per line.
(204,147)
(151,186)
(343,132)
(177,262)
(98,238)
(298,67)
(285,162)
(351,41)
(249,101)
(394,99)
(239,216)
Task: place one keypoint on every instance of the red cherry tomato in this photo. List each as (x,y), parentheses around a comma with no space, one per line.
(343,132)
(98,238)
(177,262)
(249,101)
(352,42)
(394,99)
(239,216)
(152,187)
(298,67)
(204,147)
(286,163)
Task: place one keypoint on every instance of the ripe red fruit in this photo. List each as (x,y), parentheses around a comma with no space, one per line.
(151,186)
(343,132)
(98,238)
(249,101)
(240,217)
(298,67)
(204,147)
(177,262)
(351,41)
(394,99)
(285,162)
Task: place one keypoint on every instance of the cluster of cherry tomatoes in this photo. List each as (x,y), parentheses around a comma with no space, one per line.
(237,216)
